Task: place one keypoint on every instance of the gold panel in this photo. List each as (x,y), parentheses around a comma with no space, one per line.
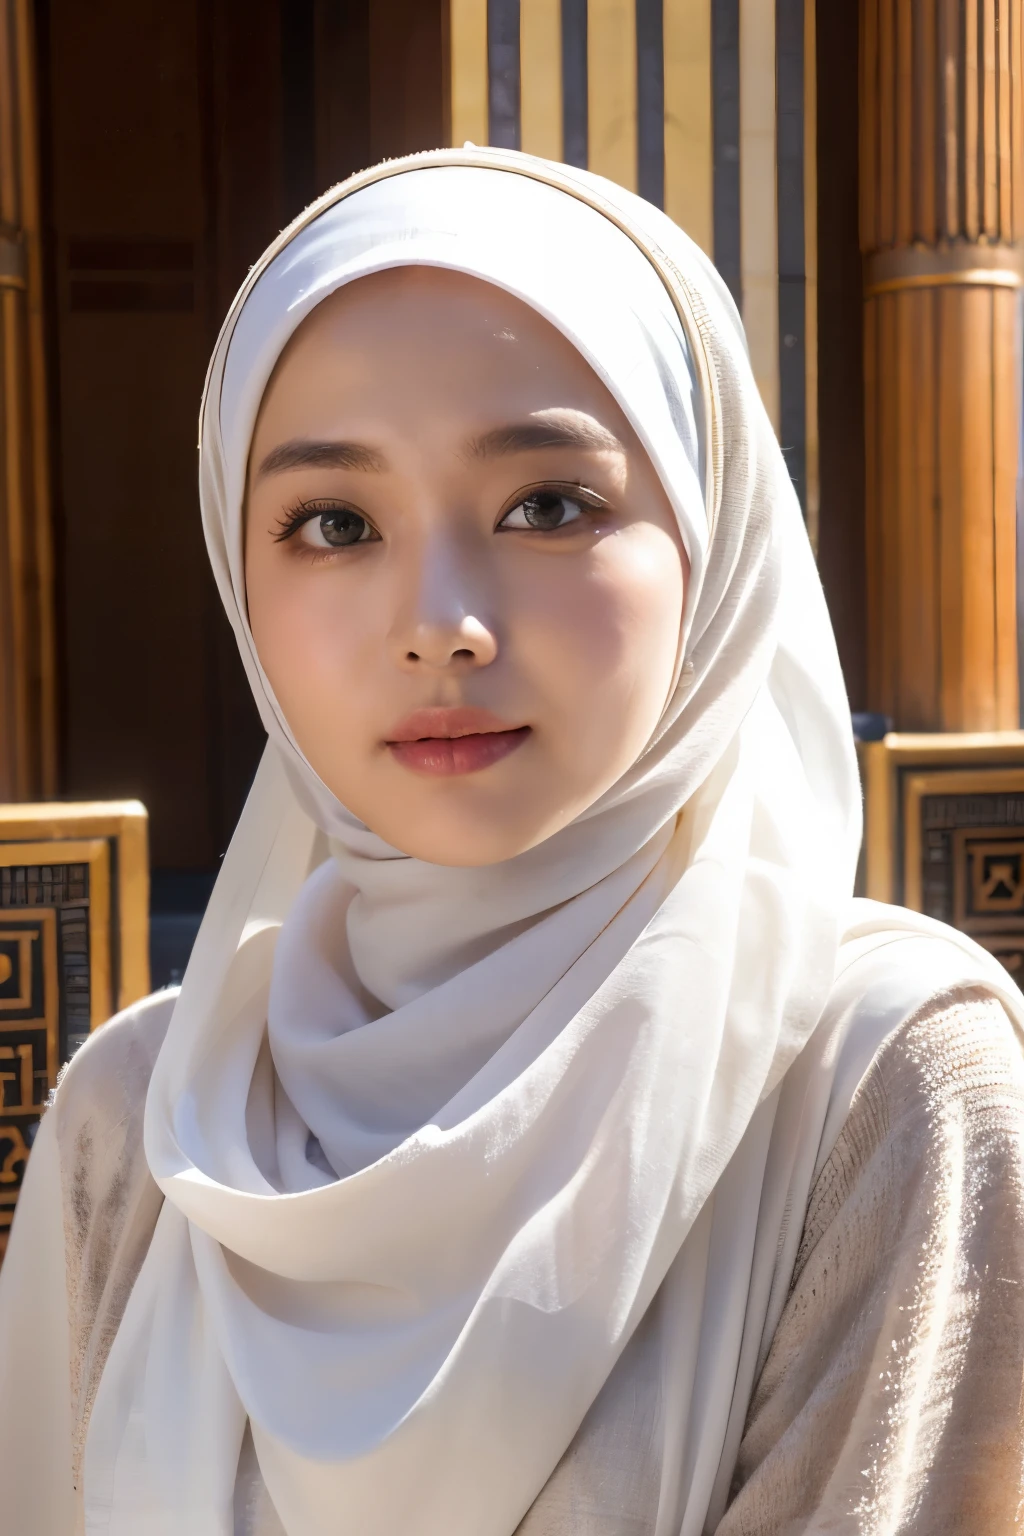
(29,1040)
(29,995)
(759,212)
(123,823)
(94,854)
(988,869)
(944,832)
(15,967)
(74,939)
(540,67)
(689,150)
(611,90)
(467,43)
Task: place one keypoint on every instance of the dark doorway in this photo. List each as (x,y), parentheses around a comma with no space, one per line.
(178,138)
(841,537)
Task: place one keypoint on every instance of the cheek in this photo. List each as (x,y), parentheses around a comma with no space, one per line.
(608,630)
(309,636)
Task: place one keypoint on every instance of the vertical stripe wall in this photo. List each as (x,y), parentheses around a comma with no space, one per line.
(612,91)
(759,255)
(541,104)
(704,107)
(812,488)
(689,159)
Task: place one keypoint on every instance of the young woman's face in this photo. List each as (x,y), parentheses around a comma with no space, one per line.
(465,581)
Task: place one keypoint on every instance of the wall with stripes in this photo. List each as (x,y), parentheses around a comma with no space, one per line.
(705,107)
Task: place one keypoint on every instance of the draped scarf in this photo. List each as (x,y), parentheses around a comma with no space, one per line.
(432,1139)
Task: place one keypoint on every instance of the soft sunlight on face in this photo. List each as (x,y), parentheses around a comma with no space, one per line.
(465,581)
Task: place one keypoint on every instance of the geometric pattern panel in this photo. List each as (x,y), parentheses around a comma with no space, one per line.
(944,832)
(988,874)
(29,1039)
(64,890)
(955,864)
(972,870)
(74,888)
(73,949)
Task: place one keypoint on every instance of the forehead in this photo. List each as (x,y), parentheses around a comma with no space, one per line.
(567,262)
(429,338)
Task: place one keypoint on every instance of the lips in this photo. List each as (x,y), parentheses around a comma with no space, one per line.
(446,742)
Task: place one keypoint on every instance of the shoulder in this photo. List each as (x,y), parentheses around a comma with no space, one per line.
(906,1308)
(959,1053)
(109,1200)
(950,1077)
(119,1054)
(98,1110)
(106,1082)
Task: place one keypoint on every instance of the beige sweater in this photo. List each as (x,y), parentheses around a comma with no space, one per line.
(890,1401)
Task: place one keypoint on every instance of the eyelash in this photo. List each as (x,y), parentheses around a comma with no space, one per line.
(587,501)
(303,512)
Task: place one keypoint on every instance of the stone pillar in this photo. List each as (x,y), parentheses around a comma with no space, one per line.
(942,218)
(27,672)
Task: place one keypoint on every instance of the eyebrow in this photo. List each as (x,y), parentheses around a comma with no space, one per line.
(553,432)
(303,453)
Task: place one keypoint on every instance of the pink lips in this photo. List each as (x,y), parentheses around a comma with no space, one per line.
(445,742)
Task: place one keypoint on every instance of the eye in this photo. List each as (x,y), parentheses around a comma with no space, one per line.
(335,528)
(543,510)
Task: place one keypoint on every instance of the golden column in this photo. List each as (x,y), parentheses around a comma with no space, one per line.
(942,216)
(27,729)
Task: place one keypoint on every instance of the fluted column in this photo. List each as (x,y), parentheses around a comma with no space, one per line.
(27,745)
(942,216)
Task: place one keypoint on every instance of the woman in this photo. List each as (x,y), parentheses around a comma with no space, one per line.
(542,1139)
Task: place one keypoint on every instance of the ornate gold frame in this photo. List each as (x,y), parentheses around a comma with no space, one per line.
(110,839)
(37,830)
(14,1121)
(47,920)
(953,763)
(918,785)
(95,852)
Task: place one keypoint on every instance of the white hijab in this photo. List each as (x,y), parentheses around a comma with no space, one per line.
(431,1139)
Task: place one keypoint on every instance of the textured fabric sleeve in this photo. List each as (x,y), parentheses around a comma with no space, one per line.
(36,1494)
(110,1202)
(890,1399)
(84,1216)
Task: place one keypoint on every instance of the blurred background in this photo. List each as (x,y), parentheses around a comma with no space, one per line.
(172,141)
(854,170)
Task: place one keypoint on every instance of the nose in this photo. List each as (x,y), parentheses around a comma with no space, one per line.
(439,622)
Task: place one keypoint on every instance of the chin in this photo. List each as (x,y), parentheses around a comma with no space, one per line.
(456,823)
(459,845)
(465,853)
